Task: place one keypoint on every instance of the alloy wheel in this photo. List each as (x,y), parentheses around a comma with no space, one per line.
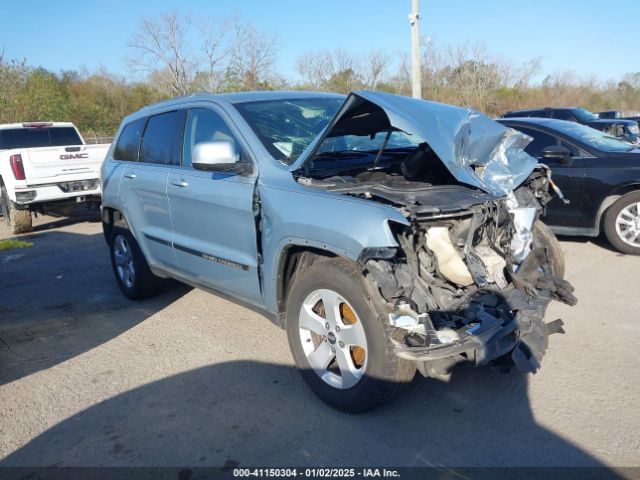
(628,225)
(333,338)
(123,259)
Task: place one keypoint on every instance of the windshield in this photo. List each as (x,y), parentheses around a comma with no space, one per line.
(286,127)
(369,143)
(38,137)
(584,115)
(592,137)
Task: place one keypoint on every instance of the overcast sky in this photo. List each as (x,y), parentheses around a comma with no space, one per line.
(587,36)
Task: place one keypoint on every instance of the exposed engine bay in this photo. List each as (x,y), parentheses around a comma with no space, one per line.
(475,269)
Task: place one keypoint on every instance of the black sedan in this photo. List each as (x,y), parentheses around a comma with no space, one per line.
(598,174)
(626,129)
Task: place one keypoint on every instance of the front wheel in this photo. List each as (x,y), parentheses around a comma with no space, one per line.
(543,235)
(622,224)
(338,338)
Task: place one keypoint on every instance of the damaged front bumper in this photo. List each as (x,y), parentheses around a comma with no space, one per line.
(519,338)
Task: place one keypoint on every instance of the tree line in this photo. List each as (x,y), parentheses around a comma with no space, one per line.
(177,54)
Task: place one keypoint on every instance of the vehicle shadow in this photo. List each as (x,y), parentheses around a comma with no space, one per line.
(58,299)
(248,413)
(54,221)
(600,241)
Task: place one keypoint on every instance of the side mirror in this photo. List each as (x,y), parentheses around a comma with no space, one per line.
(557,152)
(218,156)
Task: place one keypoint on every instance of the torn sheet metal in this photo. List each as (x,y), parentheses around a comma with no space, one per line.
(475,149)
(523,219)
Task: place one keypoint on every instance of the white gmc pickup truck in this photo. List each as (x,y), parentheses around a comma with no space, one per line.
(45,166)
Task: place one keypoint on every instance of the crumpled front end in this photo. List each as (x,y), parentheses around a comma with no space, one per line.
(473,285)
(475,269)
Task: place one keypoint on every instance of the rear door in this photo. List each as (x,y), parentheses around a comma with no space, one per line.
(570,177)
(213,214)
(143,184)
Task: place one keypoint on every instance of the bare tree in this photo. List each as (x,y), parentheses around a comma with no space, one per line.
(515,75)
(315,68)
(215,50)
(160,50)
(375,64)
(180,55)
(253,55)
(336,70)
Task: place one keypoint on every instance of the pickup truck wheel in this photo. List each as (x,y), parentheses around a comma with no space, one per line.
(18,221)
(622,224)
(543,234)
(130,268)
(339,341)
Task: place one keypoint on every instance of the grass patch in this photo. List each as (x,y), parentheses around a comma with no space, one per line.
(10,244)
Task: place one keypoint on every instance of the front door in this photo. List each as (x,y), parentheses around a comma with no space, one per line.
(212,214)
(568,175)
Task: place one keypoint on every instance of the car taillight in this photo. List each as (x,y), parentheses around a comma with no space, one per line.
(16,166)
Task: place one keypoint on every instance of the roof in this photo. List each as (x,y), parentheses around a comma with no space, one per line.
(541,121)
(553,122)
(241,97)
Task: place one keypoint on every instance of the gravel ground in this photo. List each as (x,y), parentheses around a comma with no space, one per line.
(89,378)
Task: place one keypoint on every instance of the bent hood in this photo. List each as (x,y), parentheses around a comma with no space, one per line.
(475,149)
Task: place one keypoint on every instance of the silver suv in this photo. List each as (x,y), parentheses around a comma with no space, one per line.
(385,234)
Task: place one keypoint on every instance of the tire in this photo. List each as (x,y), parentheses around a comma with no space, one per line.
(18,221)
(622,224)
(377,374)
(130,268)
(543,234)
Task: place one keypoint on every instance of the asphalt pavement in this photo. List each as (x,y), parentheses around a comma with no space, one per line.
(89,378)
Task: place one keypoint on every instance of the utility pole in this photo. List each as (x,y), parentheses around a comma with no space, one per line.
(416,83)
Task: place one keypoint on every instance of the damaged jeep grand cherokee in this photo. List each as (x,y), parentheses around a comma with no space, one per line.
(385,234)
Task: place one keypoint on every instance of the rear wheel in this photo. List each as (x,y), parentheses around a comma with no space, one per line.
(18,221)
(339,341)
(130,268)
(622,224)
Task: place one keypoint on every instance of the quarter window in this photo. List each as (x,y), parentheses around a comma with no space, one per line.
(129,141)
(162,139)
(204,125)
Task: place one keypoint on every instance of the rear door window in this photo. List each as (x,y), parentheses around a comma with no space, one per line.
(162,139)
(129,141)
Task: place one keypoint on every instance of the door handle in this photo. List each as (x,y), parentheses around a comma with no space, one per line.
(129,175)
(179,183)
